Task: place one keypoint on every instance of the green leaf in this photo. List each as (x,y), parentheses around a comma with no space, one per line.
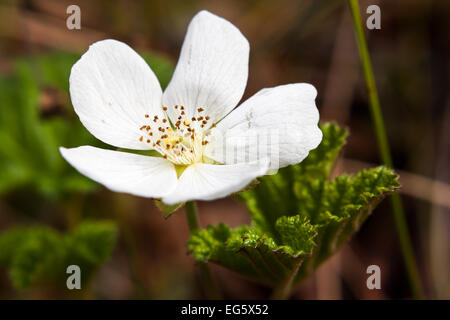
(167,209)
(92,242)
(346,203)
(247,251)
(275,196)
(40,254)
(36,255)
(299,217)
(297,234)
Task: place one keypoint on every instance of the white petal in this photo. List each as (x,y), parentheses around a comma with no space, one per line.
(208,181)
(212,69)
(139,175)
(112,88)
(279,123)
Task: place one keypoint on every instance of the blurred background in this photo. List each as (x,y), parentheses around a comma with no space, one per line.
(291,41)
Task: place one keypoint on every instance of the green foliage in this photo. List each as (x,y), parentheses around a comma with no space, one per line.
(30,140)
(256,255)
(36,118)
(40,254)
(299,217)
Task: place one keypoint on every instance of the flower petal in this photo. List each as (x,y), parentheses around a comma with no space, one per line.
(212,69)
(208,181)
(112,88)
(278,123)
(139,175)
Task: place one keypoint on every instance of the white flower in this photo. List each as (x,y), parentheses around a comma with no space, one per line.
(119,100)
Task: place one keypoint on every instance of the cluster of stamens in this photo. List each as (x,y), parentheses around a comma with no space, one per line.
(181,142)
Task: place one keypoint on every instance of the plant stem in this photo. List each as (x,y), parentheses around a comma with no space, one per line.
(208,284)
(191,215)
(383,146)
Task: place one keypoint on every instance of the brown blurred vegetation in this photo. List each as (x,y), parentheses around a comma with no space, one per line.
(291,41)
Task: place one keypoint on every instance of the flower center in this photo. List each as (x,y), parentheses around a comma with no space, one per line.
(182,142)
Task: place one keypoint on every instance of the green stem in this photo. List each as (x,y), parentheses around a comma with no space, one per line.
(208,284)
(191,216)
(383,146)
